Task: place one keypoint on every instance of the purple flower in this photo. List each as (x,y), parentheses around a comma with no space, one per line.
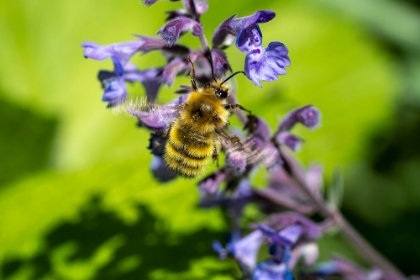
(115,91)
(122,51)
(149,78)
(225,33)
(220,62)
(171,31)
(289,140)
(307,115)
(266,64)
(210,184)
(244,250)
(271,270)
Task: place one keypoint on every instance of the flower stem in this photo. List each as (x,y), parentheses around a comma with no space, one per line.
(364,247)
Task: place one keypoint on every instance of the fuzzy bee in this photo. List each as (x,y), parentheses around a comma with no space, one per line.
(196,127)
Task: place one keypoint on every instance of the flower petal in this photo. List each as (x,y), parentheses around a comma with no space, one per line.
(225,33)
(270,270)
(249,38)
(307,115)
(171,31)
(289,140)
(115,91)
(149,78)
(266,64)
(122,51)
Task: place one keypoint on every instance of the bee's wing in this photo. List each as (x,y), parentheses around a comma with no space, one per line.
(155,116)
(251,149)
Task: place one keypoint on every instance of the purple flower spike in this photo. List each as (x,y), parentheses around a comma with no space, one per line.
(246,249)
(171,31)
(266,64)
(290,140)
(115,91)
(122,51)
(307,115)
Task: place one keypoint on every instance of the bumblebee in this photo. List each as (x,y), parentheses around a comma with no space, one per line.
(197,133)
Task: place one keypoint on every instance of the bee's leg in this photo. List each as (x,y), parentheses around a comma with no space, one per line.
(236,107)
(215,155)
(192,75)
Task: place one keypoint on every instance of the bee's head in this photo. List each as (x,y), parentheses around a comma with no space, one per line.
(221,92)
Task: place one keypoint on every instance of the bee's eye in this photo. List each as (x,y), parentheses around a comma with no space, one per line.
(221,94)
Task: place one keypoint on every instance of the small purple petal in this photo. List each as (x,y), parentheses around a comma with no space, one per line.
(115,91)
(286,237)
(307,115)
(270,270)
(149,78)
(266,64)
(310,230)
(225,33)
(210,184)
(174,68)
(245,22)
(220,63)
(201,7)
(224,36)
(149,2)
(249,38)
(150,43)
(246,249)
(171,31)
(122,51)
(290,140)
(161,171)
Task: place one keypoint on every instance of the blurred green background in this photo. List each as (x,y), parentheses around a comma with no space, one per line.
(77,200)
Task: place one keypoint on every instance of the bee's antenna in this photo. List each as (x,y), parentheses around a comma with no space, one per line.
(231,76)
(192,75)
(210,59)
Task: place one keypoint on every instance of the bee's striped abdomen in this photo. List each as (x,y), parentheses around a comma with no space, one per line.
(187,153)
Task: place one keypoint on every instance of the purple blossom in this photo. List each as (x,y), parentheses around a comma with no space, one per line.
(289,140)
(266,64)
(122,51)
(210,184)
(307,115)
(115,91)
(171,31)
(227,31)
(271,270)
